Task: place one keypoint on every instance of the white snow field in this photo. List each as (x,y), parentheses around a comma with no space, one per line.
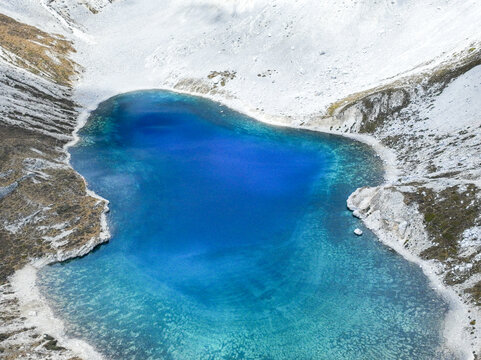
(290,58)
(312,53)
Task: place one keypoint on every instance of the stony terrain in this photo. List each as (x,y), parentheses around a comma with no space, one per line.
(439,163)
(412,91)
(433,209)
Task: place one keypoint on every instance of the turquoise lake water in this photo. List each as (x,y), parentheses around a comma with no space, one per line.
(231,240)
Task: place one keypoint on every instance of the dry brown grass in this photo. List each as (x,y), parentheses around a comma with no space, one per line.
(331,110)
(41,53)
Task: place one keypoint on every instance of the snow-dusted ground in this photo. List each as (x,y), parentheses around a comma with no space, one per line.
(312,53)
(308,53)
(285,62)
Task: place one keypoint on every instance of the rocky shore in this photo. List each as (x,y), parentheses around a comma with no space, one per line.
(431,212)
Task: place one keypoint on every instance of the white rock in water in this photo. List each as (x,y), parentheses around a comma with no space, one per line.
(358,232)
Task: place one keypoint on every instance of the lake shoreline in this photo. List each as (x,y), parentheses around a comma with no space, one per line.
(25,278)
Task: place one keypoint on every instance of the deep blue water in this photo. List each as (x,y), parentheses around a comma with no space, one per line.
(231,240)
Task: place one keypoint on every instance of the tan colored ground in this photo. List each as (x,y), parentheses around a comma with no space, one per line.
(34,50)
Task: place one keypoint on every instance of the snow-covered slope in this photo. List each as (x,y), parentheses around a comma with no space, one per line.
(289,57)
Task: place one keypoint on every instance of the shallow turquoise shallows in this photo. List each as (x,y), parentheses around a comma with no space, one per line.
(231,240)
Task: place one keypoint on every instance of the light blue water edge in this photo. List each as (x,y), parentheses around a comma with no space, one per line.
(231,240)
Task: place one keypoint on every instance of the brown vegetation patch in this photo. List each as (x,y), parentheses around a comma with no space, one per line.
(44,198)
(475,293)
(447,214)
(37,51)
